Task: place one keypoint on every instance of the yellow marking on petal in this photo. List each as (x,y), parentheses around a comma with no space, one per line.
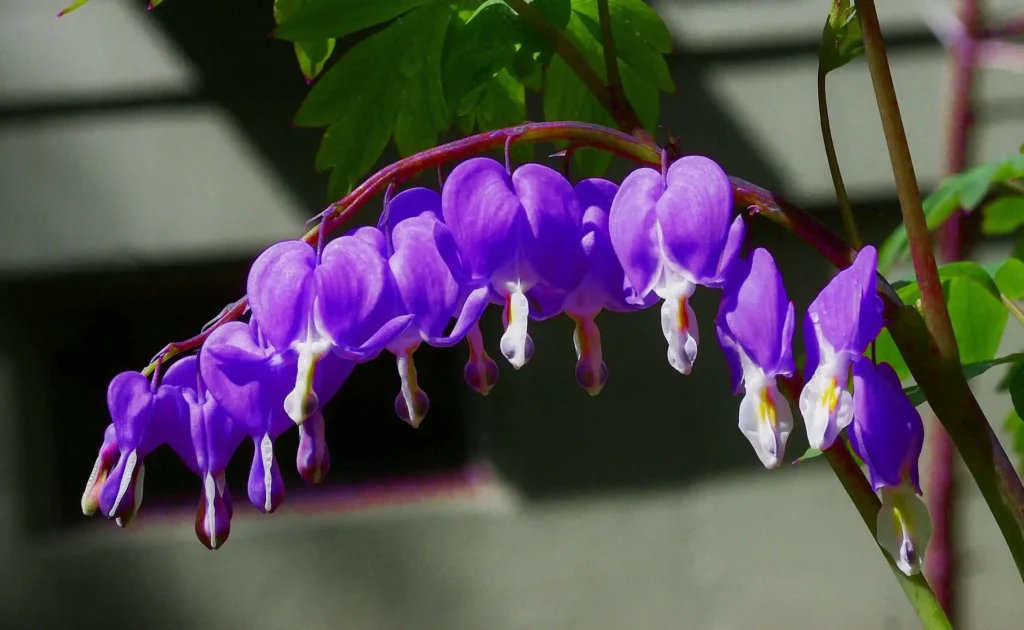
(766,408)
(830,395)
(682,319)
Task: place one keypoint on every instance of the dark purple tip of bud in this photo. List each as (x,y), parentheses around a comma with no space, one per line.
(590,378)
(213,517)
(313,460)
(482,374)
(420,406)
(309,80)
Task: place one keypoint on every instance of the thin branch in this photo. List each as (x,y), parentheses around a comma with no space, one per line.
(849,222)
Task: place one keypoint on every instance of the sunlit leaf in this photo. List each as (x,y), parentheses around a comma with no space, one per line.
(965,190)
(478,50)
(1003,216)
(1009,277)
(313,56)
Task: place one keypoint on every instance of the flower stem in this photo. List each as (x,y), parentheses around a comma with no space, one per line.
(616,93)
(849,222)
(916,587)
(933,300)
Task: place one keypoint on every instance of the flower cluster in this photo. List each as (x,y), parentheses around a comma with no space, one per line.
(532,243)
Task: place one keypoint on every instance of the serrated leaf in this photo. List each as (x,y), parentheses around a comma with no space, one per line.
(323,19)
(1003,216)
(841,40)
(972,370)
(313,56)
(367,72)
(353,144)
(477,51)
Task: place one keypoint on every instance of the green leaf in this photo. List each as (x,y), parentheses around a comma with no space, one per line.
(1009,278)
(478,50)
(556,13)
(74,6)
(1017,392)
(424,113)
(975,308)
(388,83)
(1015,427)
(1003,216)
(353,144)
(972,370)
(313,55)
(638,18)
(978,319)
(323,19)
(631,48)
(504,105)
(965,190)
(566,98)
(841,40)
(810,453)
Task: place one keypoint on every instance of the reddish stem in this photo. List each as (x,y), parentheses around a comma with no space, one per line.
(942,552)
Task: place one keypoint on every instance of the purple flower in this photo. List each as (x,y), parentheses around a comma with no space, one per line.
(888,435)
(214,436)
(755,327)
(144,416)
(604,286)
(519,234)
(432,286)
(250,380)
(105,461)
(840,323)
(673,232)
(343,300)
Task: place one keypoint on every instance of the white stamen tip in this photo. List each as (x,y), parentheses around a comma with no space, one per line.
(516,344)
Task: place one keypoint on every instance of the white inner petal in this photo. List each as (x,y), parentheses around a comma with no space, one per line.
(267,455)
(126,479)
(679,325)
(826,405)
(516,344)
(211,491)
(766,420)
(904,528)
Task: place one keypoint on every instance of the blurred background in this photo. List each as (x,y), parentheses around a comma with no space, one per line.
(147,158)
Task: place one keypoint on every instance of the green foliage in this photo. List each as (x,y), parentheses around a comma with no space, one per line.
(1015,427)
(641,39)
(975,308)
(432,64)
(311,53)
(1003,216)
(310,20)
(841,40)
(1009,277)
(972,370)
(966,190)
